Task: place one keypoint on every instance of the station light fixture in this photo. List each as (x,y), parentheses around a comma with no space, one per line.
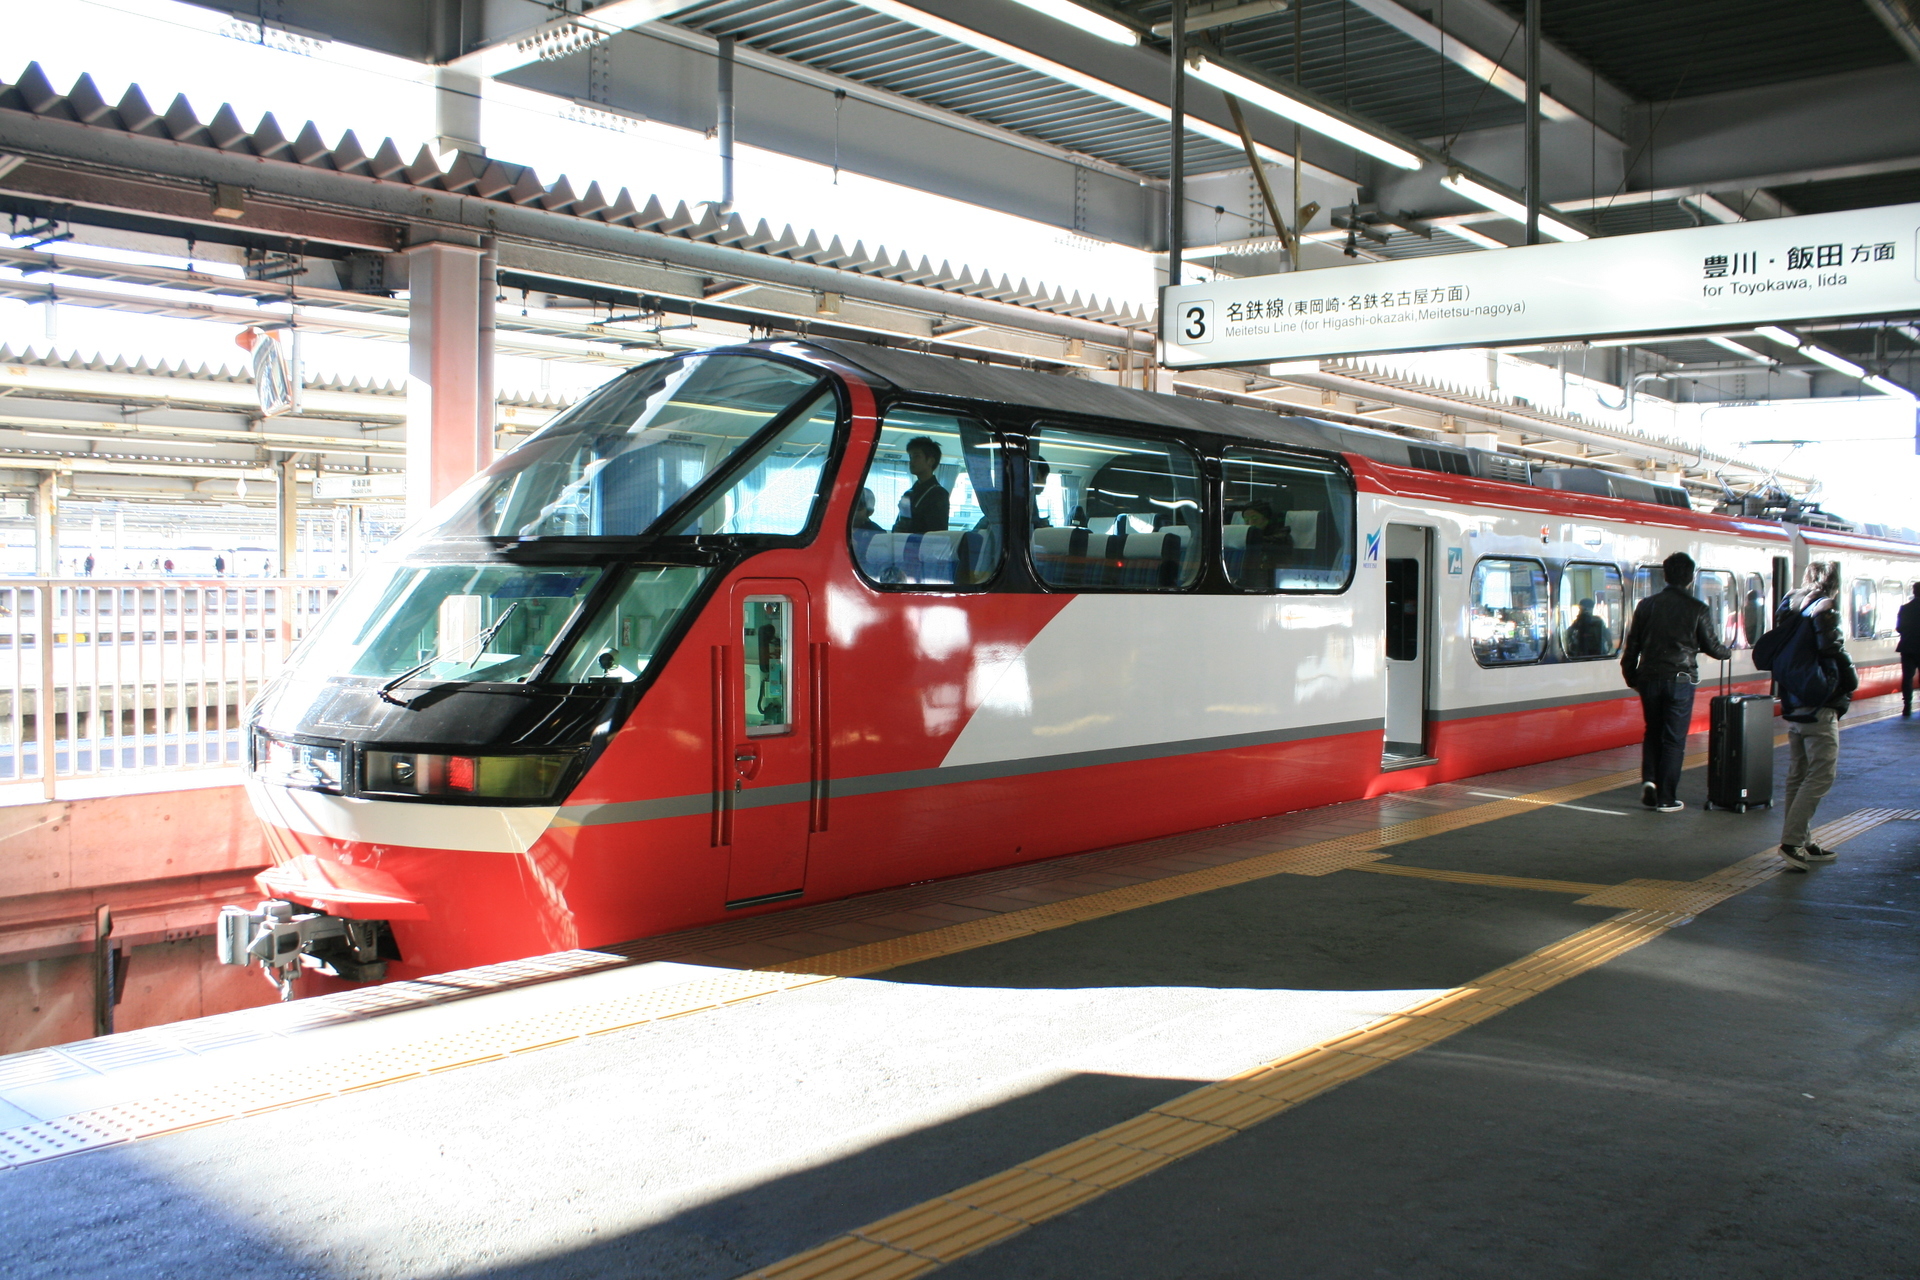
(1306,116)
(1837,363)
(1481,238)
(1084,19)
(961,34)
(1774,333)
(1505,205)
(1730,345)
(1887,388)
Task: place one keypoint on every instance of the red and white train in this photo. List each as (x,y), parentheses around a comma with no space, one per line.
(786,622)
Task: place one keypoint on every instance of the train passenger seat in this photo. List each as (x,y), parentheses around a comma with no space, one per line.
(1060,555)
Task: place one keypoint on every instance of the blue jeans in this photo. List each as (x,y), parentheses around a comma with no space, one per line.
(1667,706)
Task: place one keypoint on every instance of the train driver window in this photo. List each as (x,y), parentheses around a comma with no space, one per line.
(929,509)
(619,644)
(1865,611)
(1592,609)
(1507,610)
(1715,587)
(1286,522)
(1753,609)
(1113,511)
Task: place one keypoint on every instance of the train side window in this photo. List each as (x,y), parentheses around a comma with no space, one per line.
(1753,609)
(1893,594)
(1507,608)
(1113,511)
(1592,608)
(1715,588)
(773,490)
(930,510)
(1648,580)
(1287,522)
(1865,611)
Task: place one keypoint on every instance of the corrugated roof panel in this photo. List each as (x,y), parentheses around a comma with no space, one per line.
(846,40)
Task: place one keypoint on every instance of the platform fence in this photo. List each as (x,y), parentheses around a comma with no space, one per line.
(104,677)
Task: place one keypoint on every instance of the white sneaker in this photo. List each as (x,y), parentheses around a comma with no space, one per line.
(1671,806)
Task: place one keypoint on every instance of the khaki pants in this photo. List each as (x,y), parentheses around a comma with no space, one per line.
(1815,750)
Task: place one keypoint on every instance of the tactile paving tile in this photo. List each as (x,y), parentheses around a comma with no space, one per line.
(37,1066)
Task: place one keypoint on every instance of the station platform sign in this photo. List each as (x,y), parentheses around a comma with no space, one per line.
(1857,263)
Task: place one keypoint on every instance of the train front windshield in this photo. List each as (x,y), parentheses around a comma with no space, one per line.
(622,460)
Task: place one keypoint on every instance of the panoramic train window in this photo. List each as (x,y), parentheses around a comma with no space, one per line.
(1110,511)
(619,643)
(1592,608)
(615,462)
(1715,587)
(1507,612)
(929,508)
(458,622)
(773,491)
(1753,609)
(1287,522)
(1865,611)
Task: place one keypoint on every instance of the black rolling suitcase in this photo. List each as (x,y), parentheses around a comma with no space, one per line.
(1739,749)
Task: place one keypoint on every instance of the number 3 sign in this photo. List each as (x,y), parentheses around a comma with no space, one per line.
(1194,323)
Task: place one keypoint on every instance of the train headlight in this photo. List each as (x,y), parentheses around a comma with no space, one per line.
(424,773)
(308,765)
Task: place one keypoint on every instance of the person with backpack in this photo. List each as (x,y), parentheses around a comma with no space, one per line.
(1661,660)
(1814,680)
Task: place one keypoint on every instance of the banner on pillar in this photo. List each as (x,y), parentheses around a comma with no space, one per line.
(272,374)
(1860,262)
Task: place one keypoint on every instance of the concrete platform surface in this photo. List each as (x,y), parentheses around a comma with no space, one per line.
(1513,1026)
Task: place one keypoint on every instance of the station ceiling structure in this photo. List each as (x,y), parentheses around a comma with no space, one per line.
(1655,116)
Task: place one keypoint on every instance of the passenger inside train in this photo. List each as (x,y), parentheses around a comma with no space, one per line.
(924,507)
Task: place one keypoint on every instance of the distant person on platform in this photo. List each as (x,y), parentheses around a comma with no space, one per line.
(169,566)
(1909,649)
(1661,661)
(1587,634)
(219,566)
(923,508)
(89,565)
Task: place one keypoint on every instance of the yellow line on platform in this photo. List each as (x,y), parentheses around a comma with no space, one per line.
(981,1214)
(1480,878)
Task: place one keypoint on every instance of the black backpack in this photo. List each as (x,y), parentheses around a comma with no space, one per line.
(1803,677)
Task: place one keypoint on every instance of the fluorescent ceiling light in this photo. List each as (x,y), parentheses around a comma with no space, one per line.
(1837,363)
(1737,349)
(1887,388)
(1084,19)
(1471,236)
(1487,197)
(1300,113)
(1774,333)
(1059,71)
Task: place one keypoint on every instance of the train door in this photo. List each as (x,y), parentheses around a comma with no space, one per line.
(770,745)
(1409,589)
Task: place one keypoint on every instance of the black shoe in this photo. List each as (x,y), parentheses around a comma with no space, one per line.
(1649,795)
(1816,854)
(1796,858)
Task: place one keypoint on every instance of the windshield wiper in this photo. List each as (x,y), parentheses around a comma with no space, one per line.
(482,640)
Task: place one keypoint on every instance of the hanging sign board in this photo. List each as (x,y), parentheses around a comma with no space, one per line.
(272,376)
(361,488)
(1861,262)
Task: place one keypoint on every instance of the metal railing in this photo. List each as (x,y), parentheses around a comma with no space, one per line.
(112,677)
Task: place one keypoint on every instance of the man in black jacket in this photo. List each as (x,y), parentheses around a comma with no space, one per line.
(1669,632)
(1908,649)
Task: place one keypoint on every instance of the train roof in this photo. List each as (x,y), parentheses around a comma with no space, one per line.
(916,373)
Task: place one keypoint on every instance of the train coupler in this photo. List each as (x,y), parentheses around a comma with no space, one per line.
(282,938)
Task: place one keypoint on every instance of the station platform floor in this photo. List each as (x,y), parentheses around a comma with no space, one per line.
(1516,1025)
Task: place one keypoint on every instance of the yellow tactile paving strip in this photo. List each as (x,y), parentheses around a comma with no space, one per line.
(964,1221)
